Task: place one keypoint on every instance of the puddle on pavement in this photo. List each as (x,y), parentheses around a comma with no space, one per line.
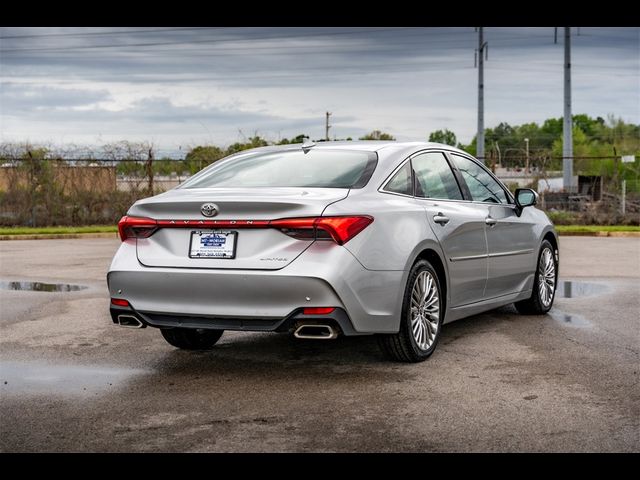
(41,286)
(569,319)
(19,378)
(569,289)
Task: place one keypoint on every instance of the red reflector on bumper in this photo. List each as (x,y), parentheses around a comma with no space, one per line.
(317,310)
(120,302)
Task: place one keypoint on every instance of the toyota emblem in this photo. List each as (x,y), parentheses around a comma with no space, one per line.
(209,209)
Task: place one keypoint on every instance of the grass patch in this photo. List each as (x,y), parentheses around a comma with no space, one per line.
(596,228)
(54,230)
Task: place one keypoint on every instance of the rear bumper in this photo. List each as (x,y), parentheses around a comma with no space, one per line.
(324,275)
(338,319)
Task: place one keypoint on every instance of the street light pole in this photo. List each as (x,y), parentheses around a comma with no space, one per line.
(526,142)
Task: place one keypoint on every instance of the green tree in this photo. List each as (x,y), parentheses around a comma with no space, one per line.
(445,136)
(378,135)
(299,139)
(253,142)
(199,157)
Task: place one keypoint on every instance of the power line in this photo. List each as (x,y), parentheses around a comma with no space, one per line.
(218,40)
(252,48)
(117,32)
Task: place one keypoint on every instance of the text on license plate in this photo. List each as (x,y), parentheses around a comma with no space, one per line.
(213,244)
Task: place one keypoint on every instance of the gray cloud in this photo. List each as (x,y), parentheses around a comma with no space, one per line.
(280,81)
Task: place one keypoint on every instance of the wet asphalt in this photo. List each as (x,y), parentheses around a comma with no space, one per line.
(72,381)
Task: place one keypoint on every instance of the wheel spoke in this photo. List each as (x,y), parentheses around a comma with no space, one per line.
(416,327)
(425,288)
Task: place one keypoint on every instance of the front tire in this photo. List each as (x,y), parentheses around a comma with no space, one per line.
(544,285)
(191,338)
(422,311)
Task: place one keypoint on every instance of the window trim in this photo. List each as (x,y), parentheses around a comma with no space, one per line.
(463,185)
(509,196)
(452,166)
(389,177)
(393,174)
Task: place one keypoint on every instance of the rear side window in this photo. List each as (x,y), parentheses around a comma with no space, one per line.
(290,168)
(434,177)
(482,185)
(401,181)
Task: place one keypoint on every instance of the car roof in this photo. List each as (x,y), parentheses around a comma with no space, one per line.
(363,145)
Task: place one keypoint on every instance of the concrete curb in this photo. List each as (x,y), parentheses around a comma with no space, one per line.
(53,236)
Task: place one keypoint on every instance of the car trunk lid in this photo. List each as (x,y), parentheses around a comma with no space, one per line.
(244,211)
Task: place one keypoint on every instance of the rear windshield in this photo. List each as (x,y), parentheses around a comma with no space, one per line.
(290,168)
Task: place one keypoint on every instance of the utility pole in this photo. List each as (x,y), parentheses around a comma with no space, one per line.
(327,126)
(482,48)
(567,141)
(526,142)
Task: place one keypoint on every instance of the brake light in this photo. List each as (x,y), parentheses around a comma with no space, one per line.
(120,302)
(338,229)
(317,310)
(136,227)
(343,229)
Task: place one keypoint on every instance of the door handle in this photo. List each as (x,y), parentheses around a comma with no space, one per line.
(490,221)
(441,219)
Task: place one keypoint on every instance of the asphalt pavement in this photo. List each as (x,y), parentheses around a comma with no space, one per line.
(70,380)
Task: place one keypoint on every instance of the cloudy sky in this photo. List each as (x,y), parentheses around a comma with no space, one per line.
(179,87)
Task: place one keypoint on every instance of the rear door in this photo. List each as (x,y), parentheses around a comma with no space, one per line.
(458,225)
(510,238)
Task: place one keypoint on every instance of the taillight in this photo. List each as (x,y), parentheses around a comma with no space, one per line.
(343,229)
(136,227)
(338,229)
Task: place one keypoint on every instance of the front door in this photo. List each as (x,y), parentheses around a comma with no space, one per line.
(512,255)
(510,238)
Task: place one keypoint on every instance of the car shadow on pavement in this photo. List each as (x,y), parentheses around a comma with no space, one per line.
(244,352)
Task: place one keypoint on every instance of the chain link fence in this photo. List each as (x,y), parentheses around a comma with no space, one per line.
(41,187)
(76,187)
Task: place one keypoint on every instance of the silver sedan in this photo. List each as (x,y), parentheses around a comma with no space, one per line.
(336,238)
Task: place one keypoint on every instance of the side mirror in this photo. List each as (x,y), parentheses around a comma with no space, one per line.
(525,197)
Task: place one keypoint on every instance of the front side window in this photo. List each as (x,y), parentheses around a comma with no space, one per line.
(482,186)
(401,181)
(434,177)
(290,168)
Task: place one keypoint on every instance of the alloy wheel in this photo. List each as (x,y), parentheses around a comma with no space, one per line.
(425,310)
(546,277)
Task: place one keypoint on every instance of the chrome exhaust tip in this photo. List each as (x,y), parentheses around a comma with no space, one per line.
(316,332)
(129,321)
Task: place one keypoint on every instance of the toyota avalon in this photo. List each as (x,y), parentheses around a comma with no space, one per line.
(338,238)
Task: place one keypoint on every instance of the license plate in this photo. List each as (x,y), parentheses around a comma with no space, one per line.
(213,244)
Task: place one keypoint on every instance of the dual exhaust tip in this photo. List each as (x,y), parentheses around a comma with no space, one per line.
(129,321)
(315,332)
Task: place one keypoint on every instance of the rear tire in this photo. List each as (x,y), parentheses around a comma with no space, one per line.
(191,338)
(544,285)
(421,322)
